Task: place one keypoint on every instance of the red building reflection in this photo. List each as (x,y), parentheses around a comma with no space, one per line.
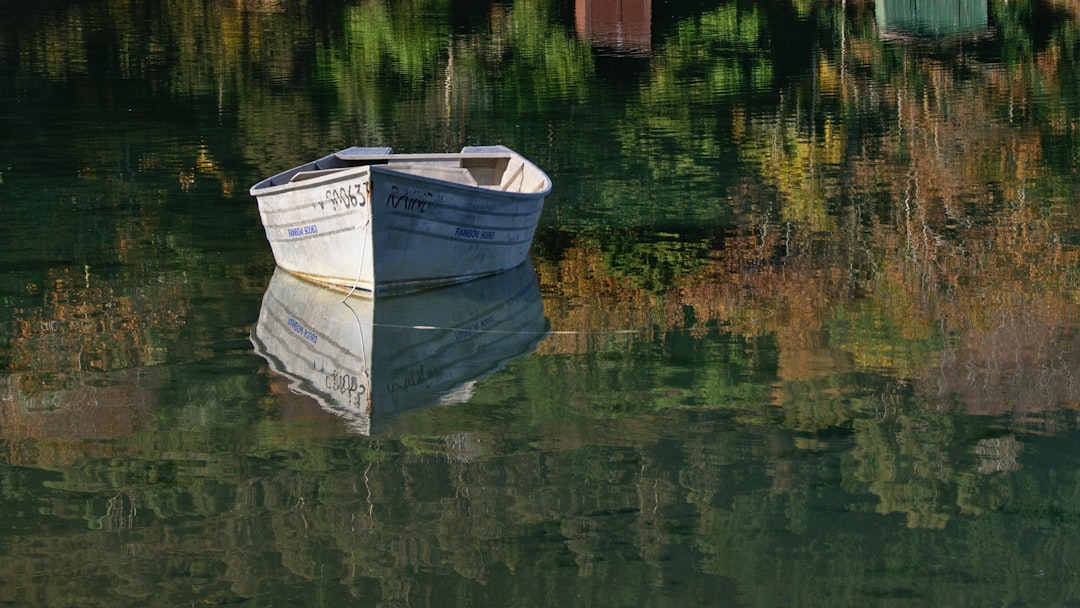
(621,26)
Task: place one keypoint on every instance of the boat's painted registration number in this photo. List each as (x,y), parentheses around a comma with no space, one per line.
(308,230)
(475,234)
(345,197)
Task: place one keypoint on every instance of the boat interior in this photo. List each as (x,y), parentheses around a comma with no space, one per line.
(494,167)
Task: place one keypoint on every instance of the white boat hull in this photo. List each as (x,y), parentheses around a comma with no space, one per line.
(371,220)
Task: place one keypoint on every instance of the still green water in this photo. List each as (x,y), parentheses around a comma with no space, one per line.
(801,324)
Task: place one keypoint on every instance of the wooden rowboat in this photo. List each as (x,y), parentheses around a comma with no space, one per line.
(368,360)
(369,219)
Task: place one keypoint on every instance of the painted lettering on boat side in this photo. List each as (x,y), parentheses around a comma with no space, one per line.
(345,197)
(464,332)
(345,384)
(409,380)
(302,331)
(475,234)
(303,230)
(403,200)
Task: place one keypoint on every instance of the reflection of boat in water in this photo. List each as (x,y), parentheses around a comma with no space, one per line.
(368,359)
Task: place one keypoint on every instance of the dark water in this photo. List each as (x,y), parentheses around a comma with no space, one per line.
(811,273)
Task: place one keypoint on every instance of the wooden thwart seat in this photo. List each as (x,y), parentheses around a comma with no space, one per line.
(457,175)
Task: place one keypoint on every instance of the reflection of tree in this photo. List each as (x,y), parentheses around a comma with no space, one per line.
(318,74)
(640,499)
(894,244)
(905,463)
(905,231)
(96,321)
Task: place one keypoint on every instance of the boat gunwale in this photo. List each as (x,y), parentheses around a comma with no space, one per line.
(382,163)
(331,176)
(491,191)
(392,288)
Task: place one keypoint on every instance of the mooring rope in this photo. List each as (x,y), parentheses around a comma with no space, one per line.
(550,332)
(360,267)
